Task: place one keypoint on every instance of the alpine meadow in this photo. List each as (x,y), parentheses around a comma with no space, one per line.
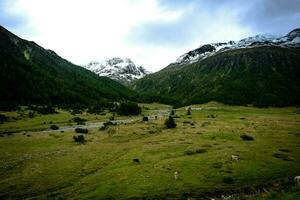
(150,99)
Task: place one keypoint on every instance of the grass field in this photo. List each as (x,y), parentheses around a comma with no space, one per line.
(194,160)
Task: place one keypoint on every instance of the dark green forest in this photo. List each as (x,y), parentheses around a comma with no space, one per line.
(30,74)
(261,76)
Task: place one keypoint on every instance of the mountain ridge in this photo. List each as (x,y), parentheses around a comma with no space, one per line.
(292,39)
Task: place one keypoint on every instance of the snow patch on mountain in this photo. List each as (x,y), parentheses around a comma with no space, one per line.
(290,40)
(122,70)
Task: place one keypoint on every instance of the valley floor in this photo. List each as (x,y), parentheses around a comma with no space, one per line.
(204,157)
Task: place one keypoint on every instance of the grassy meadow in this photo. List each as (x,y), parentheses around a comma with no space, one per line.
(204,157)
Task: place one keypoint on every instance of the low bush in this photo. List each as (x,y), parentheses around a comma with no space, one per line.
(81,130)
(106,125)
(3,118)
(54,127)
(228,180)
(194,151)
(247,137)
(78,119)
(43,109)
(201,150)
(76,111)
(282,156)
(31,114)
(79,138)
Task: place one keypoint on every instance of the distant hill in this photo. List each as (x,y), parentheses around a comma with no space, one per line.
(30,74)
(121,70)
(260,70)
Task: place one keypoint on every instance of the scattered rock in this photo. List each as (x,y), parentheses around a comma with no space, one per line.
(176,175)
(234,158)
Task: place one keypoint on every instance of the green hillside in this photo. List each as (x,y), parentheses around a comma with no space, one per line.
(263,76)
(30,74)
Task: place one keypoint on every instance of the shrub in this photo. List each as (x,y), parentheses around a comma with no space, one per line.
(189,111)
(172,112)
(96,109)
(201,150)
(128,108)
(3,118)
(189,152)
(170,122)
(31,114)
(76,111)
(145,118)
(193,151)
(228,180)
(79,138)
(54,127)
(247,137)
(43,110)
(81,130)
(78,119)
(105,125)
(136,161)
(112,117)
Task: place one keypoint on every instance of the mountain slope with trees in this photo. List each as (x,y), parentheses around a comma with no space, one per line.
(30,74)
(261,75)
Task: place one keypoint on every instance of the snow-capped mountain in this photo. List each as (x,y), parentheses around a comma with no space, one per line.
(122,70)
(290,40)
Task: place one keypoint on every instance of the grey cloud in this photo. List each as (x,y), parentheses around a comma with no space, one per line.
(273,16)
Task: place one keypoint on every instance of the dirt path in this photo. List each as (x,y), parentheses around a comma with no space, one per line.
(89,125)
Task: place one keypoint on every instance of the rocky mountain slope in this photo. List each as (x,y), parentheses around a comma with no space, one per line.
(30,74)
(290,40)
(121,70)
(260,70)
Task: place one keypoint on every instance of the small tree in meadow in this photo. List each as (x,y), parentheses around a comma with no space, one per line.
(189,111)
(170,122)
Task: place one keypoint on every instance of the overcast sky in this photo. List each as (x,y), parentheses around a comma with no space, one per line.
(152,33)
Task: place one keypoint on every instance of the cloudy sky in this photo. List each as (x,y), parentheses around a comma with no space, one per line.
(152,33)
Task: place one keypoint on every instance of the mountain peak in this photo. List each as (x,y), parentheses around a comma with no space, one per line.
(122,70)
(294,33)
